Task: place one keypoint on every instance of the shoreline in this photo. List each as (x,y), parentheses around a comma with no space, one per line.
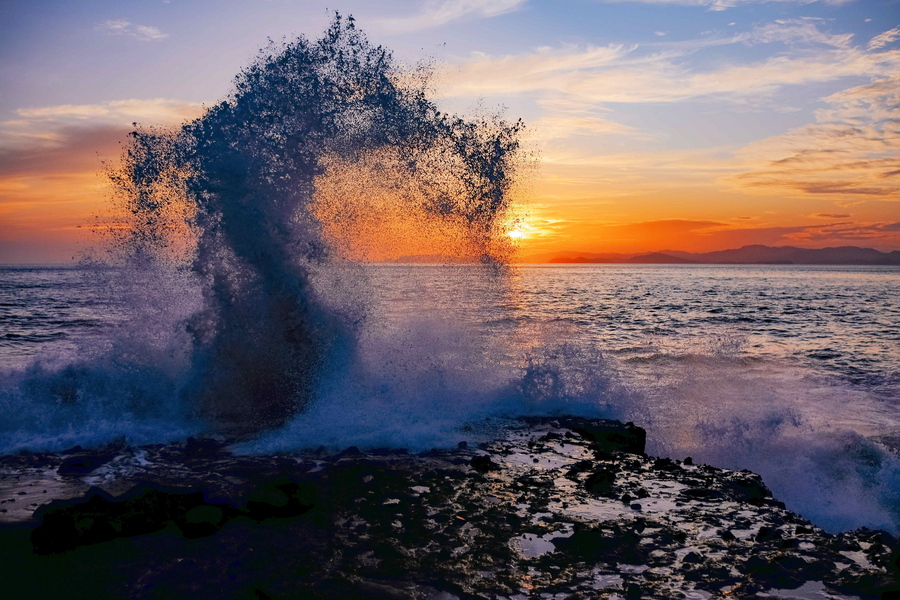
(564,506)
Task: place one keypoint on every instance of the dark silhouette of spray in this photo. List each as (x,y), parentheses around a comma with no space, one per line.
(231,194)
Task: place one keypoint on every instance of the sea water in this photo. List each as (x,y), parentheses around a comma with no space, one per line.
(224,300)
(789,371)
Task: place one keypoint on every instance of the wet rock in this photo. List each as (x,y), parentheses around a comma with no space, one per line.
(609,436)
(82,464)
(666,464)
(745,486)
(768,534)
(484,464)
(393,525)
(281,500)
(582,466)
(600,482)
(350,452)
(701,493)
(202,447)
(202,521)
(99,517)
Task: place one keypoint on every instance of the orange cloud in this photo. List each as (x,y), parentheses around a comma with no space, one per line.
(706,236)
(51,181)
(852,150)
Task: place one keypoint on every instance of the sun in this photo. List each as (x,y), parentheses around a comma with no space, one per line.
(516,234)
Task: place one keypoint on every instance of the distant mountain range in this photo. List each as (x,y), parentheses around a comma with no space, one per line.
(748,255)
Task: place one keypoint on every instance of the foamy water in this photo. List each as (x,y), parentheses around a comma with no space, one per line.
(232,306)
(788,371)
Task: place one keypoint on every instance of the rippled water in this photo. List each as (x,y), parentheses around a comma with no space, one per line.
(789,371)
(838,323)
(45,310)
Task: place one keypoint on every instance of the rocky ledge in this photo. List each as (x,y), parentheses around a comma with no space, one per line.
(557,508)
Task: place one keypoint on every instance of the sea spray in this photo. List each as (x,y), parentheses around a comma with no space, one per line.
(249,169)
(229,225)
(244,313)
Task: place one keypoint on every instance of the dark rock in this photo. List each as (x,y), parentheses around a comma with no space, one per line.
(692,557)
(321,526)
(202,521)
(350,452)
(590,544)
(280,500)
(99,517)
(666,464)
(535,482)
(82,464)
(747,487)
(701,493)
(768,534)
(202,447)
(484,464)
(579,467)
(789,543)
(600,482)
(609,436)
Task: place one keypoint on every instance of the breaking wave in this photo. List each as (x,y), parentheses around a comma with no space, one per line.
(234,252)
(233,245)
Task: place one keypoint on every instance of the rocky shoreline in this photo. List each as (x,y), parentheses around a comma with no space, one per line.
(559,508)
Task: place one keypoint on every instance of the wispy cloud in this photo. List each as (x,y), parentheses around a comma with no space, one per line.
(544,69)
(851,151)
(50,163)
(883,39)
(140,32)
(663,73)
(720,5)
(48,139)
(567,116)
(804,31)
(859,233)
(441,12)
(573,84)
(701,236)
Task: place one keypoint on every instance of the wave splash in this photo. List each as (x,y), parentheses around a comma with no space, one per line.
(230,237)
(244,317)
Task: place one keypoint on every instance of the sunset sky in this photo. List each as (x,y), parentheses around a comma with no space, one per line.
(660,124)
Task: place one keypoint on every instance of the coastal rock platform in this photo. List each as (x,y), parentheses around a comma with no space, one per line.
(559,508)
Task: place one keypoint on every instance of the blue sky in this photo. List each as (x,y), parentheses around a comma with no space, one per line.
(719,117)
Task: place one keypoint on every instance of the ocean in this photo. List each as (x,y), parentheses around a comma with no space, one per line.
(792,372)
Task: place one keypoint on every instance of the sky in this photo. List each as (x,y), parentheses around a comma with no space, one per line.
(691,125)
